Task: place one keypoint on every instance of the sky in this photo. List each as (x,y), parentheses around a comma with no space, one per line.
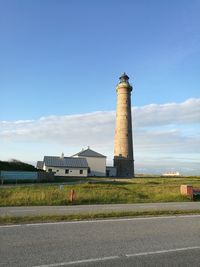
(60,61)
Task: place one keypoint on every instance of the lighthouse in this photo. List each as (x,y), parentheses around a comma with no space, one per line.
(123,146)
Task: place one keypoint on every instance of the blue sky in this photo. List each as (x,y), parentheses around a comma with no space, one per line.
(62,58)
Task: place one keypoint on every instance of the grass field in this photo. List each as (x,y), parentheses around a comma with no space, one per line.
(98,191)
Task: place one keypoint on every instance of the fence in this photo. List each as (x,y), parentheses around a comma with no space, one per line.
(24,176)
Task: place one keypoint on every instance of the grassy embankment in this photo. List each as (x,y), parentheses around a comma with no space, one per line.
(93,216)
(103,191)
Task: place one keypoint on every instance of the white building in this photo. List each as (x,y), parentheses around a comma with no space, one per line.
(171,174)
(95,160)
(83,164)
(66,166)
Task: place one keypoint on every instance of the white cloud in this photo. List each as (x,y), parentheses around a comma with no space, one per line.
(169,141)
(187,112)
(156,129)
(70,130)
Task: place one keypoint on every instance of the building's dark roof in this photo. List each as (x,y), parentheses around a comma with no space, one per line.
(39,165)
(89,153)
(65,162)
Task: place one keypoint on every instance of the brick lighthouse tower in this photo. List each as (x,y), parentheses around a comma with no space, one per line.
(123,152)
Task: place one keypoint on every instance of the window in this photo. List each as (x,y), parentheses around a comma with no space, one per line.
(81,171)
(66,171)
(49,170)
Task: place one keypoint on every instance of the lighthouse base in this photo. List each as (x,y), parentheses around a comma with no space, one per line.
(124,166)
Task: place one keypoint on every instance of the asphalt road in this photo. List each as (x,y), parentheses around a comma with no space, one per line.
(152,241)
(60,210)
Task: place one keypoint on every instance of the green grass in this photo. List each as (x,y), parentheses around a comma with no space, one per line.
(92,216)
(103,191)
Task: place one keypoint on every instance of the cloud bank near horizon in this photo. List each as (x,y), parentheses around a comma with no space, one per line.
(157,128)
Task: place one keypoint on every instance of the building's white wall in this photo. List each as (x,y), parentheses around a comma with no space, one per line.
(97,166)
(44,167)
(72,171)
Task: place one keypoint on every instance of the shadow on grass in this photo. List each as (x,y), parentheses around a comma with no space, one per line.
(153,183)
(110,182)
(142,196)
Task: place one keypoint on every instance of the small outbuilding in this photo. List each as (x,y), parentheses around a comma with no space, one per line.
(39,165)
(172,174)
(111,171)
